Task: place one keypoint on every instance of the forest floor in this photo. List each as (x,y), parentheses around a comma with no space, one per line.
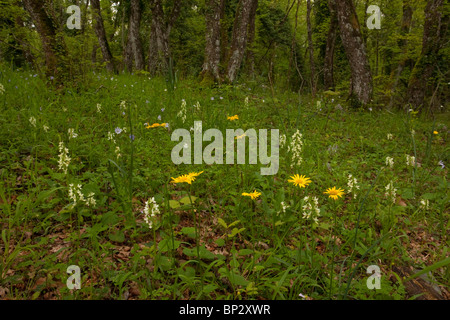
(80,171)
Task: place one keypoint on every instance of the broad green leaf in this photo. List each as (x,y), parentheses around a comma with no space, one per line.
(186,200)
(174,204)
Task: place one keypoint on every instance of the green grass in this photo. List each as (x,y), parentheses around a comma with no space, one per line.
(247,249)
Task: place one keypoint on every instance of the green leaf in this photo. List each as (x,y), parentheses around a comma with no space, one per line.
(186,200)
(209,288)
(118,236)
(220,242)
(222,223)
(174,204)
(245,252)
(237,279)
(110,218)
(166,245)
(189,231)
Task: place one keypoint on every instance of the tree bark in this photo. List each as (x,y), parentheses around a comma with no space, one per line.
(52,45)
(403,45)
(361,79)
(211,64)
(133,34)
(101,35)
(160,29)
(251,39)
(328,69)
(311,48)
(239,39)
(434,38)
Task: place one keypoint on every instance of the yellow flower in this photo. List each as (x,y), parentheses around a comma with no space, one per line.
(435,132)
(300,181)
(155,125)
(254,195)
(235,117)
(334,193)
(194,175)
(183,178)
(186,178)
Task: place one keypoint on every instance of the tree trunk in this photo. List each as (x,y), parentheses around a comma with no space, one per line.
(434,38)
(211,64)
(251,39)
(311,48)
(159,49)
(239,39)
(361,79)
(52,45)
(133,34)
(328,69)
(101,35)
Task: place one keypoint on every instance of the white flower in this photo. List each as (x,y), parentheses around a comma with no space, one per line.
(413,132)
(390,162)
(296,148)
(282,140)
(150,210)
(424,204)
(90,201)
(118,130)
(246,101)
(197,106)
(123,105)
(111,137)
(410,160)
(99,108)
(441,163)
(391,192)
(182,113)
(117,151)
(352,183)
(390,136)
(2,89)
(72,133)
(283,207)
(32,121)
(45,127)
(311,208)
(64,159)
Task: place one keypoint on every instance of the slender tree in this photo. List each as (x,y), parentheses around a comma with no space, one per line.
(239,39)
(328,68)
(53,46)
(311,47)
(355,49)
(133,34)
(211,64)
(160,29)
(434,39)
(101,35)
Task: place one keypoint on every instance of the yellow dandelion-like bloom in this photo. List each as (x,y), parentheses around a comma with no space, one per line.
(194,175)
(435,132)
(334,193)
(185,178)
(235,117)
(300,181)
(156,125)
(254,195)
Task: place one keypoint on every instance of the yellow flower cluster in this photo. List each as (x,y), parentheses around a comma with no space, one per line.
(186,178)
(235,117)
(254,195)
(156,125)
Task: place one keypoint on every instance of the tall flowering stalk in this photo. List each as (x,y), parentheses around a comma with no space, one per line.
(295,147)
(352,185)
(64,159)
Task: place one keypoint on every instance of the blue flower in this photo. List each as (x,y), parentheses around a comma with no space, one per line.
(132,137)
(118,130)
